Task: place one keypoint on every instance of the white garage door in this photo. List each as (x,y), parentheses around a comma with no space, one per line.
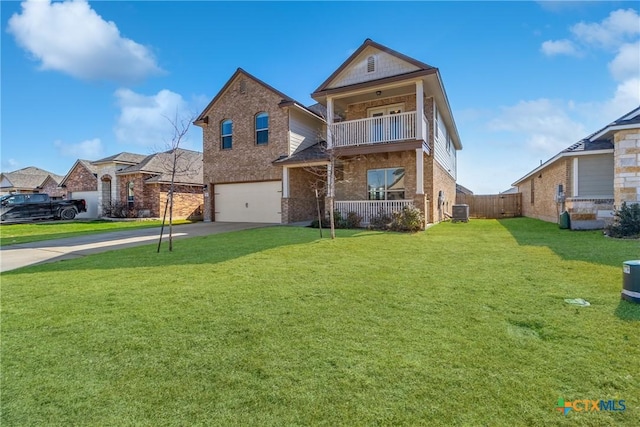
(250,202)
(91,197)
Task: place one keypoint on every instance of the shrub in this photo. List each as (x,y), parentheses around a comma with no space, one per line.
(626,222)
(352,220)
(382,221)
(123,210)
(409,218)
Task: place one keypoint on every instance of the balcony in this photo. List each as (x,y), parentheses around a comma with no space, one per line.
(379,130)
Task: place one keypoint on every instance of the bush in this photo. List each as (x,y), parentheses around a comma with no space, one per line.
(626,222)
(352,220)
(123,210)
(409,218)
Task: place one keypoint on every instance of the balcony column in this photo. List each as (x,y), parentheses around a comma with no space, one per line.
(419,171)
(420,110)
(285,182)
(329,122)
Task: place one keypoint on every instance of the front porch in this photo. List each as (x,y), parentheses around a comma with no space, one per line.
(368,209)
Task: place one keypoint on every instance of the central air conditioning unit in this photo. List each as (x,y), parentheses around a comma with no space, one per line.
(460,213)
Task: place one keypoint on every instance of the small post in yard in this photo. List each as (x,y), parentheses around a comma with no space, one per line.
(319,215)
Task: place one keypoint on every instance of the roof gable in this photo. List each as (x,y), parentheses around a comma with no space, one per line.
(123,157)
(27,178)
(387,61)
(86,164)
(239,72)
(188,167)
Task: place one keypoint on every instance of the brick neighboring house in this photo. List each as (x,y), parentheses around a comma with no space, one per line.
(31,180)
(146,185)
(589,179)
(384,114)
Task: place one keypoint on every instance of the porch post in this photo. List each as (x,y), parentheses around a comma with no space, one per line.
(419,171)
(285,182)
(329,122)
(419,110)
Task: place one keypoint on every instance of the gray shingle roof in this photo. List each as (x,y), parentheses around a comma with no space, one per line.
(30,177)
(315,153)
(123,157)
(188,167)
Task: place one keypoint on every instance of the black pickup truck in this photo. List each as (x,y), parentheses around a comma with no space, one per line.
(21,207)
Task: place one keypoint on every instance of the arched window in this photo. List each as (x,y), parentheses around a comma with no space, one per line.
(226,134)
(262,128)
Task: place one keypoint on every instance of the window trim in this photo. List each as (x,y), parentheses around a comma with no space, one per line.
(266,129)
(226,135)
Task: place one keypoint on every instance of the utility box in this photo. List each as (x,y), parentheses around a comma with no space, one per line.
(460,213)
(565,220)
(631,281)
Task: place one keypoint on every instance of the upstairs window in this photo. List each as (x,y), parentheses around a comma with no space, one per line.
(371,64)
(226,134)
(262,128)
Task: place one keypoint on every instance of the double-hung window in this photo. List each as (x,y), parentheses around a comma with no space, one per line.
(226,134)
(386,184)
(262,128)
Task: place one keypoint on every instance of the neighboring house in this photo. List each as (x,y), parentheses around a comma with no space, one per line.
(31,180)
(81,182)
(589,179)
(146,185)
(385,116)
(463,190)
(105,185)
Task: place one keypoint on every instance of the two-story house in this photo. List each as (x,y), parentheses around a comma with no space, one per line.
(383,121)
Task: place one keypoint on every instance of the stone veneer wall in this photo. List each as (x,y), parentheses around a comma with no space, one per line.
(626,182)
(245,161)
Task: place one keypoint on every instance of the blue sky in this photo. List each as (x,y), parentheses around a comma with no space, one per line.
(524,79)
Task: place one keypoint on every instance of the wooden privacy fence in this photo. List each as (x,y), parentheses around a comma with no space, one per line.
(492,205)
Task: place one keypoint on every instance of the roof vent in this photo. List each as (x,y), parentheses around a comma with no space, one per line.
(371,64)
(243,86)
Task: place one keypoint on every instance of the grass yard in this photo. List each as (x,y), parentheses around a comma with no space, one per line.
(12,234)
(464,324)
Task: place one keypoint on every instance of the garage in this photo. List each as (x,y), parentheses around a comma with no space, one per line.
(91,198)
(248,202)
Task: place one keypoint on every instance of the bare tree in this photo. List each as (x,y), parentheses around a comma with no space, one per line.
(176,163)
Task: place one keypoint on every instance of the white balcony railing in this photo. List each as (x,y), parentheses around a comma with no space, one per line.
(377,130)
(370,208)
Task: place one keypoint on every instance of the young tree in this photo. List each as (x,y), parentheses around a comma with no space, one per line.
(176,162)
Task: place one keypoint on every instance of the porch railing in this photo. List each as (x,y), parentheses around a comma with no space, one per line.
(370,208)
(377,130)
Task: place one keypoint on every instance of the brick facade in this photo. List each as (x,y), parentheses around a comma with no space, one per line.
(359,111)
(50,187)
(80,179)
(245,161)
(543,205)
(626,184)
(149,199)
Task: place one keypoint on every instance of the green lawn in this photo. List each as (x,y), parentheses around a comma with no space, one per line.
(12,234)
(464,324)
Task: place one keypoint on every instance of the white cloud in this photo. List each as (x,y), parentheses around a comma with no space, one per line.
(559,47)
(543,125)
(618,27)
(147,120)
(72,38)
(626,64)
(10,164)
(90,149)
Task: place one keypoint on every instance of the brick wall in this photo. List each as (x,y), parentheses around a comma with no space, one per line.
(437,179)
(50,187)
(301,204)
(187,201)
(245,161)
(359,111)
(80,179)
(545,184)
(626,183)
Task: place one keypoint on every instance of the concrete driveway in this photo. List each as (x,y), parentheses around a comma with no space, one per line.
(22,255)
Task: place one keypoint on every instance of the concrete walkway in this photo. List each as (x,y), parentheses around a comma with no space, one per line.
(22,255)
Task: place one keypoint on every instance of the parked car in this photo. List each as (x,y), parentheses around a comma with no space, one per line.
(38,206)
